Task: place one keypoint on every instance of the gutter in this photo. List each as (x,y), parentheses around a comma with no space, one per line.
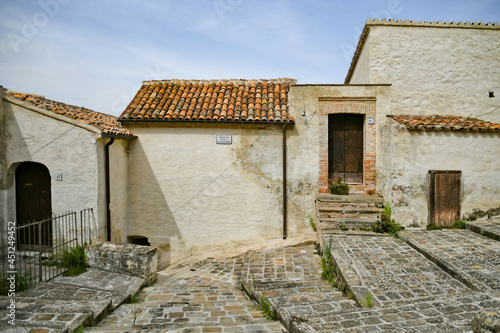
(108,191)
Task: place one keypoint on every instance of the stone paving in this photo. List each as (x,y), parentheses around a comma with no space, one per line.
(470,257)
(66,303)
(390,270)
(201,297)
(453,292)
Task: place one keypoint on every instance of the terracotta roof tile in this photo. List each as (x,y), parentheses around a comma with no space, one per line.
(106,123)
(446,123)
(263,101)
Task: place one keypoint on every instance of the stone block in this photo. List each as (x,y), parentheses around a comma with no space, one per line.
(128,259)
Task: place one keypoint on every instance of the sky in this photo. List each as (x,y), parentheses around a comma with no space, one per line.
(96,54)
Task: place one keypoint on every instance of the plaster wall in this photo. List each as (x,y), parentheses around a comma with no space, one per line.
(414,153)
(307,128)
(435,70)
(119,206)
(189,194)
(62,148)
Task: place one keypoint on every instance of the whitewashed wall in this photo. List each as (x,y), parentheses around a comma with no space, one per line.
(414,153)
(435,70)
(189,194)
(28,136)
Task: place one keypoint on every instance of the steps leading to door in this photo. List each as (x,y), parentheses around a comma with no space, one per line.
(347,212)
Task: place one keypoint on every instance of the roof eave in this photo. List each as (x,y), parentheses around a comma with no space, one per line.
(207,121)
(52,114)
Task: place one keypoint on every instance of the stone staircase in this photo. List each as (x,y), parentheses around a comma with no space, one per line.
(347,212)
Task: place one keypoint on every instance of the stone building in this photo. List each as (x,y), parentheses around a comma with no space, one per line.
(220,163)
(416,117)
(53,160)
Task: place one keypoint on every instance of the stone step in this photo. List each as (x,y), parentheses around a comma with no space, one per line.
(350,210)
(450,315)
(487,227)
(98,309)
(346,223)
(359,199)
(47,322)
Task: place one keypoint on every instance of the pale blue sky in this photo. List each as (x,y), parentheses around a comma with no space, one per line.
(96,53)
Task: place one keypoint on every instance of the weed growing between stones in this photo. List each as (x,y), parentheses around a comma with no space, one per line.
(22,282)
(135,312)
(338,187)
(265,307)
(135,299)
(311,221)
(385,224)
(74,259)
(80,329)
(368,302)
(457,225)
(329,269)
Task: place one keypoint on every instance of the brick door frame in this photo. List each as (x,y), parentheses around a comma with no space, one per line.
(348,105)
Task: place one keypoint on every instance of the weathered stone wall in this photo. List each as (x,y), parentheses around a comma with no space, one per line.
(128,259)
(412,154)
(63,148)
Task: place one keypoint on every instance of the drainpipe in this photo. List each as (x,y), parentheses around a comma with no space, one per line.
(284,181)
(108,191)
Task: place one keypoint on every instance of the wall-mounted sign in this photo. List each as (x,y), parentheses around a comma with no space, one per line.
(371,121)
(59,177)
(224,139)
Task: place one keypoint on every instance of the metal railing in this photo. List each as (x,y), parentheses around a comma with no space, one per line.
(38,251)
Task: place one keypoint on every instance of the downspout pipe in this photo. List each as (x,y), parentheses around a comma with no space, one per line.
(108,190)
(284,183)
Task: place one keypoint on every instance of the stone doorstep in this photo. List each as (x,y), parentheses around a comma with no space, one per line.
(322,197)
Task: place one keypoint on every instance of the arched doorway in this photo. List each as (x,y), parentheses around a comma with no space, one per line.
(33,203)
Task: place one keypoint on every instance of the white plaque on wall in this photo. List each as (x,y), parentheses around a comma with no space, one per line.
(224,139)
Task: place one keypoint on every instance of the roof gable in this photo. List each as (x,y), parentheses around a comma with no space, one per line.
(446,123)
(223,101)
(107,124)
(409,23)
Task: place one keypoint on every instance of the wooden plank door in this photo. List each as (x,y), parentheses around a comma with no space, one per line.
(345,147)
(444,197)
(33,202)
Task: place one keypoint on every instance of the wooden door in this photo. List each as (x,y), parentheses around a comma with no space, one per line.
(444,197)
(33,203)
(345,147)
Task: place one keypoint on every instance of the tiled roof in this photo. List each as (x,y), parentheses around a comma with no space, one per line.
(256,101)
(106,123)
(446,123)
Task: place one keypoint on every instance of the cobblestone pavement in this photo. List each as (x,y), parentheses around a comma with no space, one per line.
(472,258)
(201,297)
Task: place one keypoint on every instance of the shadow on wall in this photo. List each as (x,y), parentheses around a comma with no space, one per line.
(150,214)
(14,151)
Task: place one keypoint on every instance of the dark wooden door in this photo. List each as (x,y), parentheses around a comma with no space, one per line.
(33,203)
(345,147)
(444,197)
